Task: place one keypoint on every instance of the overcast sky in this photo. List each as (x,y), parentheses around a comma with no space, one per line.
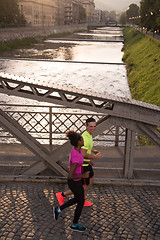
(117,5)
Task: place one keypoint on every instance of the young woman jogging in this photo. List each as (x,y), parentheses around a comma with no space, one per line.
(74,181)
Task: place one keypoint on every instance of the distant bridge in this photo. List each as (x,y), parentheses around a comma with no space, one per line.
(135,116)
(111,23)
(105,24)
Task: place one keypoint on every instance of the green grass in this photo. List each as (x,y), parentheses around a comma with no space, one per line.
(17,43)
(142,55)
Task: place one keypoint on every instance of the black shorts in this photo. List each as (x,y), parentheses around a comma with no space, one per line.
(86,181)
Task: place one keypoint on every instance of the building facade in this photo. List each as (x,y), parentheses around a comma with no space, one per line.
(97,16)
(56,12)
(59,12)
(105,16)
(71,12)
(89,6)
(38,12)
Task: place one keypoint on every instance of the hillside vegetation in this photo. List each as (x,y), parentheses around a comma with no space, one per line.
(142,55)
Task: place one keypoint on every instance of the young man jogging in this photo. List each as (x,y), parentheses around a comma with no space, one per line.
(89,154)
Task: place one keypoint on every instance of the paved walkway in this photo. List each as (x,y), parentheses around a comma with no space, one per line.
(155,35)
(118,212)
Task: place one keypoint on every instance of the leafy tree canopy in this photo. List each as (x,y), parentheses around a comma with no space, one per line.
(123,18)
(133,11)
(9,13)
(112,16)
(150,14)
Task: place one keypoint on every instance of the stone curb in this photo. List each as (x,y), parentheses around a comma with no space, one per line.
(97,181)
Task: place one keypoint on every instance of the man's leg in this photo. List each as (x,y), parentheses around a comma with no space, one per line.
(87,183)
(86,187)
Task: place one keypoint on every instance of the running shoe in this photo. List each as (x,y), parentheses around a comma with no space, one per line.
(56,212)
(60,198)
(78,228)
(87,204)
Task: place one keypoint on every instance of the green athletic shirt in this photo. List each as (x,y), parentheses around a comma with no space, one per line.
(88,144)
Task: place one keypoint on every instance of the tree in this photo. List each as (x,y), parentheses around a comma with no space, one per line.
(9,13)
(149,10)
(82,14)
(158,23)
(132,12)
(123,18)
(157,13)
(112,16)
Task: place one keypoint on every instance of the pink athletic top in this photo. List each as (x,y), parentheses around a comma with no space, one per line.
(76,157)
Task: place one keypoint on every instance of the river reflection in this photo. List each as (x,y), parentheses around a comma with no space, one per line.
(72,50)
(111,77)
(87,51)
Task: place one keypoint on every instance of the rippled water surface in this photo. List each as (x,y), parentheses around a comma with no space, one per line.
(77,61)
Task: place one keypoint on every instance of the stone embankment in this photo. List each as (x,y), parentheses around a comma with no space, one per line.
(7,34)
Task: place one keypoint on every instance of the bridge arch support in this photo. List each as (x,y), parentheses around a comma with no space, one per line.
(135,116)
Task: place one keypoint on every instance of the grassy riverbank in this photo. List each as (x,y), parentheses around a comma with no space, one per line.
(26,42)
(16,43)
(142,55)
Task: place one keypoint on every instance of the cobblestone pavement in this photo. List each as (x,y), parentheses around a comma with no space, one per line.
(118,212)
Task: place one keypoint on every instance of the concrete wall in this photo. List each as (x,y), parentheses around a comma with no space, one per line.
(7,34)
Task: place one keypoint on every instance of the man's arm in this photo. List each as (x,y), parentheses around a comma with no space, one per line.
(90,156)
(94,151)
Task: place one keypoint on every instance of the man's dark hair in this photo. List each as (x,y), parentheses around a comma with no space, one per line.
(90,120)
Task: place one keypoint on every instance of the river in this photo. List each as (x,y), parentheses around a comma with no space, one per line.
(90,60)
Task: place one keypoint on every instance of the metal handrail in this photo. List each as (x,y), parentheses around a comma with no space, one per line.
(56,137)
(56,134)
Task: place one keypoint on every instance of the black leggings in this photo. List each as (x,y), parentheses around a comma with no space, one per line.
(78,191)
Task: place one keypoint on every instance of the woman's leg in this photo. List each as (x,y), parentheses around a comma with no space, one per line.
(68,203)
(72,201)
(78,191)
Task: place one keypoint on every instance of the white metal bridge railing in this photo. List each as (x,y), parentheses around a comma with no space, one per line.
(49,124)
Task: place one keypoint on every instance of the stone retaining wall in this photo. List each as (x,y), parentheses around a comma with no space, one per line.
(7,34)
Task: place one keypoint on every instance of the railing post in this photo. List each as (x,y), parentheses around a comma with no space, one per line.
(117,137)
(50,126)
(129,154)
